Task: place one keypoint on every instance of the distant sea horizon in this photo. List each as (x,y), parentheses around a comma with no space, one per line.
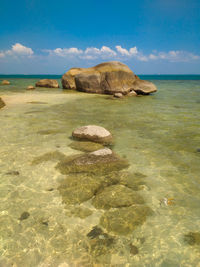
(142,76)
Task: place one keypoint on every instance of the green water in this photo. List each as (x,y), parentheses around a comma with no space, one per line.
(157,134)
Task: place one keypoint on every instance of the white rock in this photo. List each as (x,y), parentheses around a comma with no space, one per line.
(93,133)
(102,152)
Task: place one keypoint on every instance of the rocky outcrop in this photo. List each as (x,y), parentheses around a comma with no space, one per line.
(5,82)
(93,133)
(106,78)
(2,104)
(49,83)
(30,87)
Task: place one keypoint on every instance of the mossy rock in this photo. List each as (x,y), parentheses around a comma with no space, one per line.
(85,146)
(123,221)
(76,189)
(80,212)
(192,238)
(91,163)
(130,180)
(52,156)
(116,196)
(101,245)
(2,104)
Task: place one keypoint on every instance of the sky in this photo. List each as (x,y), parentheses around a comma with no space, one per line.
(49,37)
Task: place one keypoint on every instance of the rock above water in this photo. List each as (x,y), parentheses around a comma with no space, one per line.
(30,87)
(116,196)
(118,95)
(106,78)
(49,83)
(5,82)
(96,163)
(93,133)
(123,221)
(2,104)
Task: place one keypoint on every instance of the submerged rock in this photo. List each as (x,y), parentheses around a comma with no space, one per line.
(78,188)
(12,173)
(93,133)
(5,82)
(116,196)
(49,83)
(101,245)
(92,163)
(123,221)
(192,238)
(133,249)
(85,146)
(24,216)
(106,78)
(80,212)
(53,155)
(2,104)
(49,131)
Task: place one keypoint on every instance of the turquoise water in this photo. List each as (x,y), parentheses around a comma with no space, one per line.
(157,134)
(142,76)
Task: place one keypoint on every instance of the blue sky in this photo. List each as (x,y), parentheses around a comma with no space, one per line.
(49,37)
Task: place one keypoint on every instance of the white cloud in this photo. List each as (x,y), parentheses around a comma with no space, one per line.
(121,50)
(19,49)
(67,51)
(104,53)
(124,52)
(174,56)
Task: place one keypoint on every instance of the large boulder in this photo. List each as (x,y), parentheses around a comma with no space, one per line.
(106,78)
(2,104)
(93,133)
(5,82)
(49,83)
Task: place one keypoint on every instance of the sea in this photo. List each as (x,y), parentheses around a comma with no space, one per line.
(158,134)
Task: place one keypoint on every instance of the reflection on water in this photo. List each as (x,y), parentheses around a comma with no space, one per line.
(49,219)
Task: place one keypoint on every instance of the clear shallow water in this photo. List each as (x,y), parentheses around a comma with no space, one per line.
(158,134)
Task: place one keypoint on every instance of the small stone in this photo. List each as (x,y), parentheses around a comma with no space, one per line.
(45,223)
(24,216)
(118,95)
(132,93)
(2,104)
(133,249)
(95,232)
(198,150)
(5,82)
(30,87)
(12,173)
(192,238)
